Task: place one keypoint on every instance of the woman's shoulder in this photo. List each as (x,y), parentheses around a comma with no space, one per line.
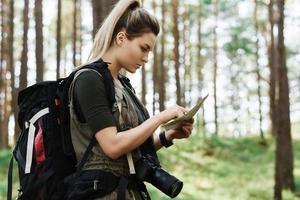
(88,76)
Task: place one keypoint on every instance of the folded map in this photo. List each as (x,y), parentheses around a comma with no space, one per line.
(186,117)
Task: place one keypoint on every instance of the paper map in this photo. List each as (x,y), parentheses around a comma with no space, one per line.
(186,117)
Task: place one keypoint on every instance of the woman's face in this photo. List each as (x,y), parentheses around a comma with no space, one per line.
(132,54)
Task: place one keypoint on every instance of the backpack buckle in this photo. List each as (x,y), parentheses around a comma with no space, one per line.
(96,185)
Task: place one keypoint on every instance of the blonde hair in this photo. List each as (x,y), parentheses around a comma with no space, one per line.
(127,14)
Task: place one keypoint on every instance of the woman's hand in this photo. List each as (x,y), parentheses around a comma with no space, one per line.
(171,113)
(184,131)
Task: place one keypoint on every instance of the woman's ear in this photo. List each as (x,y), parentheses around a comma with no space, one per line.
(120,38)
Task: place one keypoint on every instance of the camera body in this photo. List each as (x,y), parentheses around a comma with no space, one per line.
(148,169)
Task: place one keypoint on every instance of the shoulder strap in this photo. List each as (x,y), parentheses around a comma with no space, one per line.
(9,179)
(148,146)
(101,68)
(79,72)
(86,155)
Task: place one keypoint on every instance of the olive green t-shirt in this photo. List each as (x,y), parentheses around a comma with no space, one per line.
(90,102)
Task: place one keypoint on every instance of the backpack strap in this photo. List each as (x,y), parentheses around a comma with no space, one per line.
(9,179)
(86,155)
(29,149)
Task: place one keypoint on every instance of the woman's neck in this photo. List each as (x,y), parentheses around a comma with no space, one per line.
(113,66)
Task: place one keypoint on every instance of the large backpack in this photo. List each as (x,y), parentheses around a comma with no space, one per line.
(44,150)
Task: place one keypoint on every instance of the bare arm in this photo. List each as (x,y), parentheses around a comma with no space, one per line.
(184,131)
(157,142)
(116,144)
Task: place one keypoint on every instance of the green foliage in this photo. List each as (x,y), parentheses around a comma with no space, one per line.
(5,156)
(223,168)
(211,168)
(240,43)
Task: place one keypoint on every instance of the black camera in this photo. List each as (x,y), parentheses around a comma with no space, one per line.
(148,169)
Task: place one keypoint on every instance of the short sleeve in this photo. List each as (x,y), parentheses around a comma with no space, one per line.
(90,97)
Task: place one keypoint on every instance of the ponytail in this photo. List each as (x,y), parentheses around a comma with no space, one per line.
(126,14)
(104,35)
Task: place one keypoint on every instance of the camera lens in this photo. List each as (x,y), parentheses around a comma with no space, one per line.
(149,171)
(175,189)
(167,183)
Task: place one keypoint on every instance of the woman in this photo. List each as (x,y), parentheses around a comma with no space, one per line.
(124,134)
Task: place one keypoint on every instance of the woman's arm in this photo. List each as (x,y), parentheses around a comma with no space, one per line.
(116,144)
(157,142)
(184,131)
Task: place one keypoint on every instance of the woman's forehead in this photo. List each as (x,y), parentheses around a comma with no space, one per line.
(148,39)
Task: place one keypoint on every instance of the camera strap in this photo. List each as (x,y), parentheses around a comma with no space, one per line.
(130,163)
(131,182)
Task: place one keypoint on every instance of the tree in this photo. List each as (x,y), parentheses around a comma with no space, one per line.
(215,63)
(14,104)
(38,13)
(257,68)
(284,177)
(24,56)
(101,8)
(272,54)
(162,75)
(200,63)
(81,31)
(6,65)
(176,50)
(75,21)
(58,39)
(155,77)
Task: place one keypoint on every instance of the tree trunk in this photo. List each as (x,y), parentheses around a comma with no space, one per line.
(190,60)
(155,77)
(11,42)
(7,55)
(272,54)
(80,33)
(176,50)
(13,102)
(38,12)
(5,66)
(200,66)
(1,70)
(144,88)
(6,112)
(24,58)
(75,10)
(215,64)
(162,77)
(58,39)
(101,8)
(257,69)
(184,56)
(284,154)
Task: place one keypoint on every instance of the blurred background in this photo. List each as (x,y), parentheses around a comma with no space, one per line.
(244,53)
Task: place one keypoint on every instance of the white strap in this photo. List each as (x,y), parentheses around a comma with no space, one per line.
(39,115)
(130,163)
(31,138)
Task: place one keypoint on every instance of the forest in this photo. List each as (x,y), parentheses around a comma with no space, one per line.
(242,53)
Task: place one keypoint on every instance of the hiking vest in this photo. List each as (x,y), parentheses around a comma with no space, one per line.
(126,114)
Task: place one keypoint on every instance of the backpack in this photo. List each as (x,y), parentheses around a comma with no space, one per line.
(44,151)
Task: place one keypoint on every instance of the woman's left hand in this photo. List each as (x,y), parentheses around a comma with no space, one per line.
(184,131)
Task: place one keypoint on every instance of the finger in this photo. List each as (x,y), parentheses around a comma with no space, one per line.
(187,124)
(186,131)
(183,109)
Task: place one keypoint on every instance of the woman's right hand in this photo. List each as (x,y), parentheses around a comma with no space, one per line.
(171,113)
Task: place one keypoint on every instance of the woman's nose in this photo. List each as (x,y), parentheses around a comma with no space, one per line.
(145,58)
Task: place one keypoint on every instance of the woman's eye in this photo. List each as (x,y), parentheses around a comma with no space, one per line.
(143,49)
